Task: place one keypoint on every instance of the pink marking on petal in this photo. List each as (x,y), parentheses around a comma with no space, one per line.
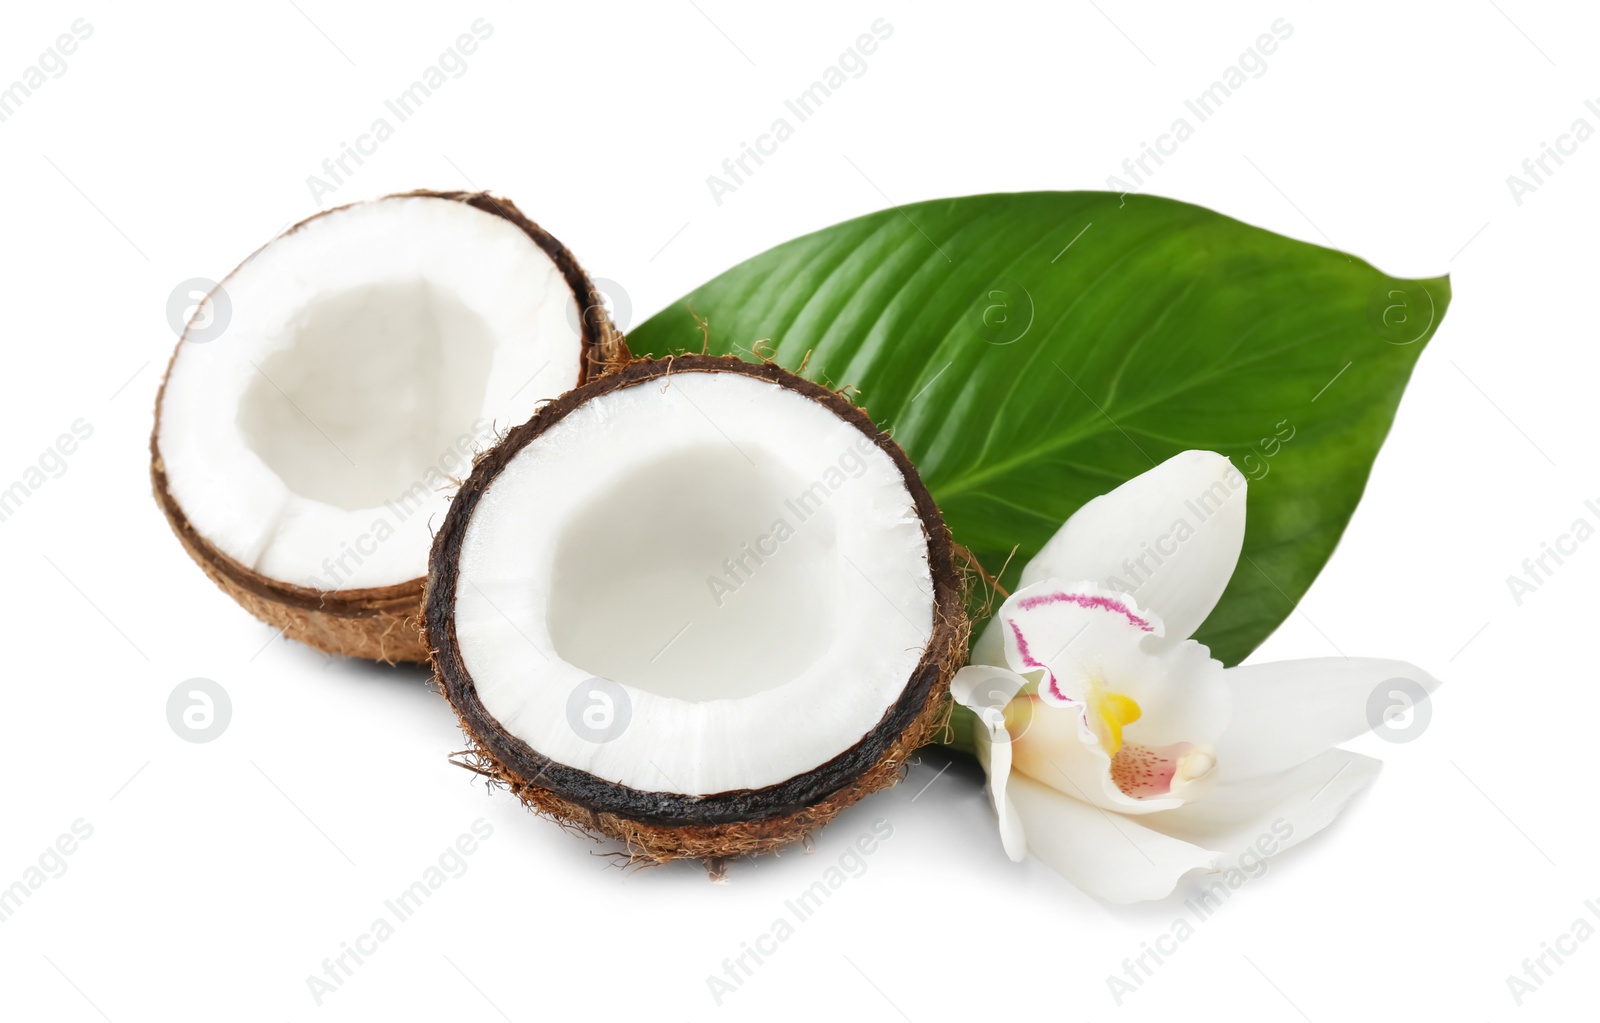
(1022,645)
(1029,661)
(1145,772)
(1087,600)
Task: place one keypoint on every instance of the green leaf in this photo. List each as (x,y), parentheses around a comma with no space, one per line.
(1031,351)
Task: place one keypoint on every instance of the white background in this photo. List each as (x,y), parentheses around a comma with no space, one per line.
(220,875)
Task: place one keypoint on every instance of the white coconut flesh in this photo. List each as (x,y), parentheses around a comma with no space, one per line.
(369,354)
(746,566)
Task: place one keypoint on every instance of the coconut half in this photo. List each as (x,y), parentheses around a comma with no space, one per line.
(697,605)
(362,359)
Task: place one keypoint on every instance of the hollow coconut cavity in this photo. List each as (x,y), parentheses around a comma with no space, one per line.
(697,605)
(361,360)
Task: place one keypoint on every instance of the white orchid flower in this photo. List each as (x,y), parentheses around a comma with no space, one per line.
(1117,750)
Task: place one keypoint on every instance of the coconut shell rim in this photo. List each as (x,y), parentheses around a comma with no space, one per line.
(602,347)
(920,696)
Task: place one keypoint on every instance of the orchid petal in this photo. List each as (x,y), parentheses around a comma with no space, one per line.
(1107,855)
(1170,538)
(986,691)
(1266,815)
(1286,712)
(1188,702)
(1074,634)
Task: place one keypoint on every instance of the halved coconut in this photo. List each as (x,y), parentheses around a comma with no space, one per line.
(368,354)
(698,605)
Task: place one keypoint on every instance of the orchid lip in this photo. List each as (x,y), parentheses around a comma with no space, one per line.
(1146,772)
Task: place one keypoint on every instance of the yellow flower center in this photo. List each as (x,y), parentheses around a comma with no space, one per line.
(1107,713)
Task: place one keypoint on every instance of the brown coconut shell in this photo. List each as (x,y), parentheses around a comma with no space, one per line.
(382,623)
(662,826)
